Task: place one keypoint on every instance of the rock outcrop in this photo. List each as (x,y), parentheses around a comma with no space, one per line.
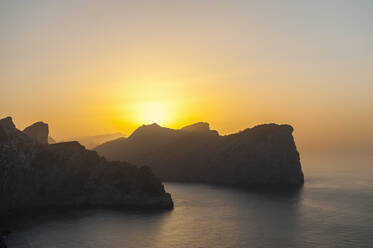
(3,234)
(2,243)
(263,155)
(35,175)
(201,128)
(39,131)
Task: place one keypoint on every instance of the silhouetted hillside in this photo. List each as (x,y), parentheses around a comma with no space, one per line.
(36,174)
(263,155)
(38,131)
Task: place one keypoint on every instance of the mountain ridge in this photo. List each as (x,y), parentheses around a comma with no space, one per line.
(262,155)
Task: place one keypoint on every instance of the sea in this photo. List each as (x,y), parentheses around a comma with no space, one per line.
(334,208)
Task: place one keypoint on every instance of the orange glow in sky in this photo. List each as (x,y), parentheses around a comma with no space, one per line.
(114,65)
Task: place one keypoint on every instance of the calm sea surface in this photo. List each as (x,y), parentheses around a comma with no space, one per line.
(334,209)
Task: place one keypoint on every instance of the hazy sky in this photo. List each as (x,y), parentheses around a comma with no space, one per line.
(93,67)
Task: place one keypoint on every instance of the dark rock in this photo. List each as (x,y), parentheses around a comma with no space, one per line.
(261,156)
(5,233)
(2,243)
(39,131)
(199,127)
(36,175)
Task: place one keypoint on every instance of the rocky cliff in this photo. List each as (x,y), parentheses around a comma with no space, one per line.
(34,174)
(38,131)
(258,156)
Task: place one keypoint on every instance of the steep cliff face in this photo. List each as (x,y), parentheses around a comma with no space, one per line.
(33,174)
(263,155)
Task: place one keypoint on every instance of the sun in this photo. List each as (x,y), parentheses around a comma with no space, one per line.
(153,112)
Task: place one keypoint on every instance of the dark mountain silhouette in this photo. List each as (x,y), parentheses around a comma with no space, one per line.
(263,155)
(2,243)
(200,127)
(39,131)
(35,174)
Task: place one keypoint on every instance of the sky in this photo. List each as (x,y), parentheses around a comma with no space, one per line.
(95,67)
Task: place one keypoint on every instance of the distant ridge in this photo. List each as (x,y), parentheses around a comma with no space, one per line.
(264,155)
(91,142)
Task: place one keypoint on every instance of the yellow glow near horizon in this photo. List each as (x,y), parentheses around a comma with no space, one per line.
(153,112)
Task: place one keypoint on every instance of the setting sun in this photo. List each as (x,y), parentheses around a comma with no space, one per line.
(153,112)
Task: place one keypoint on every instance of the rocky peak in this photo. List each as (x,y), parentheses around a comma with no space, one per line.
(7,123)
(198,127)
(39,131)
(7,129)
(151,129)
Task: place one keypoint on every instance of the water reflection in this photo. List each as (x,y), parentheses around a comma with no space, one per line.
(213,216)
(331,210)
(89,228)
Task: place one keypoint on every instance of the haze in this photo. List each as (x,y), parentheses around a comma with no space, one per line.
(95,67)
